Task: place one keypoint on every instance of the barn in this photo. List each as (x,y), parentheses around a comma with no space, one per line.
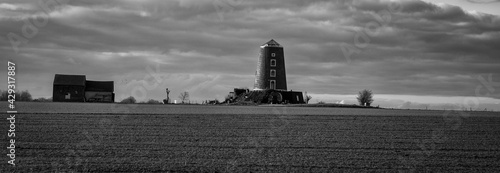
(99,91)
(69,88)
(76,88)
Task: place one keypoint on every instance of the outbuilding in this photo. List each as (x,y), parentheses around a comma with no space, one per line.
(69,88)
(99,91)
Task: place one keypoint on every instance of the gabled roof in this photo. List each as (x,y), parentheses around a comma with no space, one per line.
(104,86)
(62,79)
(271,43)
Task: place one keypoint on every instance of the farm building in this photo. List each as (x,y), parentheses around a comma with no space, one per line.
(293,97)
(99,91)
(76,88)
(69,88)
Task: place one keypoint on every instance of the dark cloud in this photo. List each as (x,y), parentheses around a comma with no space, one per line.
(211,46)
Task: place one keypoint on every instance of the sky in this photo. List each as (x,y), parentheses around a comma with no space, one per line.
(411,54)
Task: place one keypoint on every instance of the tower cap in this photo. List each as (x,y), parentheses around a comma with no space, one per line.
(271,43)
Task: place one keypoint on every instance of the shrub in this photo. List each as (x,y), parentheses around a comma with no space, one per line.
(128,100)
(42,99)
(25,96)
(151,101)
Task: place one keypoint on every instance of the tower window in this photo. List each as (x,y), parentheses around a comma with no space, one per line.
(273,63)
(273,55)
(273,73)
(272,84)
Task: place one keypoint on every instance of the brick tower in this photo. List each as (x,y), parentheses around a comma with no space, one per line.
(270,72)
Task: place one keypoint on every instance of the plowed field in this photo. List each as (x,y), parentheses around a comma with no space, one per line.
(81,137)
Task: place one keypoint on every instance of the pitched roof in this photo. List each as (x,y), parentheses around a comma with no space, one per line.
(62,79)
(271,43)
(105,86)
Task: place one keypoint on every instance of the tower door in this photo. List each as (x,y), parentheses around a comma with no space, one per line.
(272,84)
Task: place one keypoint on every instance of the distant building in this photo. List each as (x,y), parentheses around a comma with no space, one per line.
(99,91)
(293,97)
(69,88)
(75,88)
(239,91)
(270,73)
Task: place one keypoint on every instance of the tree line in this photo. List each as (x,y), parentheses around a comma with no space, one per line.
(19,96)
(365,98)
(24,96)
(184,98)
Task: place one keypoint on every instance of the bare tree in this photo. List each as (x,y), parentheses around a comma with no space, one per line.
(365,97)
(184,96)
(308,97)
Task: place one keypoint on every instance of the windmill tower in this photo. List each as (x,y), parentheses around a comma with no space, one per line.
(270,73)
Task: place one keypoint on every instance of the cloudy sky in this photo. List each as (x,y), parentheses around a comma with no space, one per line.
(410,53)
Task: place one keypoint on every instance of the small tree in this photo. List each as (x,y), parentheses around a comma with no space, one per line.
(184,96)
(128,100)
(365,97)
(308,97)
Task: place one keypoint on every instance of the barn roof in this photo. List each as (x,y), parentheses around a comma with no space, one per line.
(271,43)
(104,86)
(63,79)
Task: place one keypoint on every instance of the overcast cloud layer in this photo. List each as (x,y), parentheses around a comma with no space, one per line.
(210,47)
